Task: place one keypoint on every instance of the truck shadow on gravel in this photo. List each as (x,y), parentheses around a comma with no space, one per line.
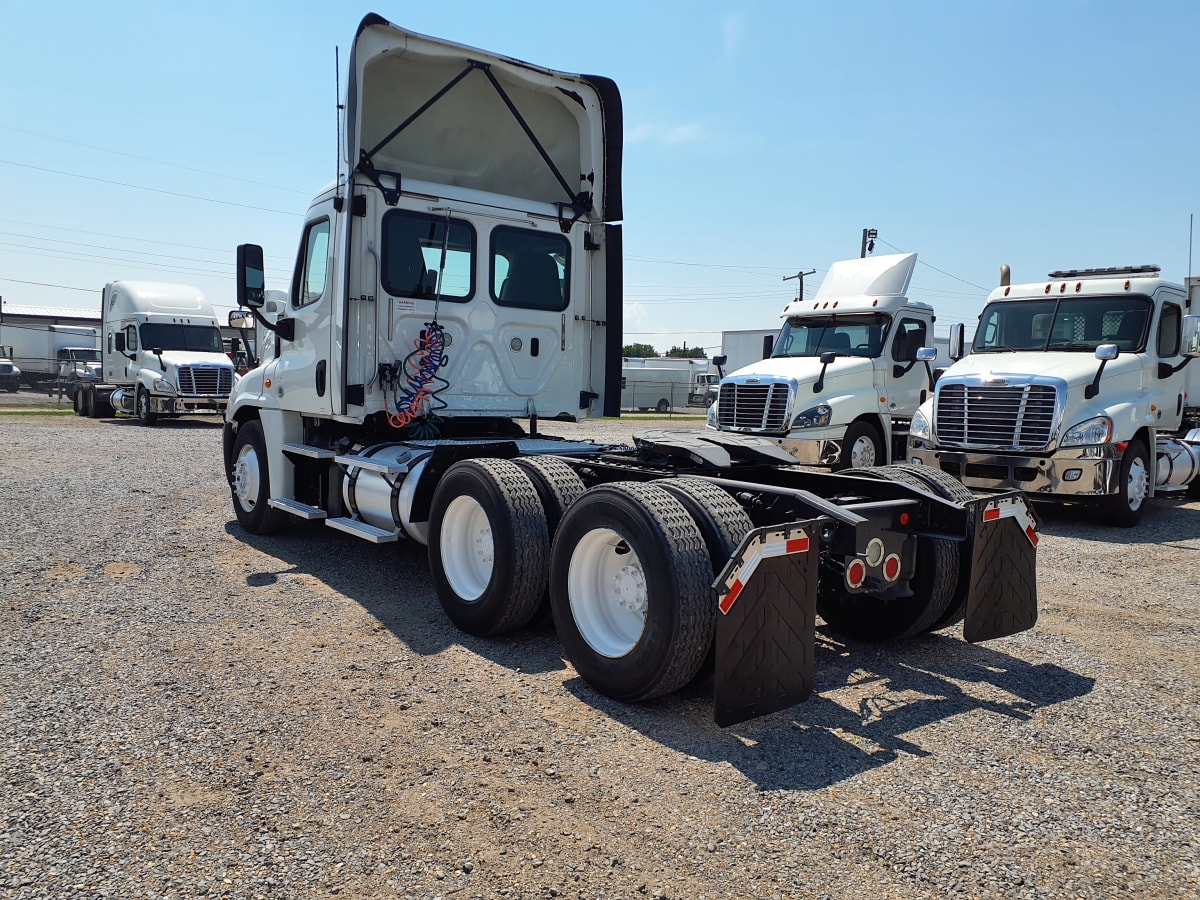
(1164,521)
(866,700)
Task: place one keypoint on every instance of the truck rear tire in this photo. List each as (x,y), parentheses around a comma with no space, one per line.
(1125,507)
(862,447)
(250,482)
(664,405)
(558,487)
(873,617)
(489,546)
(630,588)
(142,407)
(78,399)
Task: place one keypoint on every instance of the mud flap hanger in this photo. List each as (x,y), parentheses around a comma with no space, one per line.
(579,204)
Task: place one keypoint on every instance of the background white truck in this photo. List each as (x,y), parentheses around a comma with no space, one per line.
(39,350)
(162,355)
(463,275)
(662,383)
(1078,388)
(843,377)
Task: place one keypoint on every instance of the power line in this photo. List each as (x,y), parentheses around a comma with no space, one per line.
(935,268)
(161,162)
(65,287)
(101,247)
(138,187)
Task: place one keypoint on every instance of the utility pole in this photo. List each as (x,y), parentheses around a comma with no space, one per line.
(799,275)
(868,242)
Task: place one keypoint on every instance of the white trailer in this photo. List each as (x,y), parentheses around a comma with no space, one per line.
(460,282)
(39,350)
(1079,388)
(742,348)
(662,383)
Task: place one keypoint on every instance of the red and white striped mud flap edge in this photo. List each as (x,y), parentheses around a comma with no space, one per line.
(1003,594)
(767,597)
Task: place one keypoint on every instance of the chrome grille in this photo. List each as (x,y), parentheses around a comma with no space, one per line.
(1007,416)
(754,407)
(205,381)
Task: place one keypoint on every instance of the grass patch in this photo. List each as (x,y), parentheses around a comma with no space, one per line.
(34,411)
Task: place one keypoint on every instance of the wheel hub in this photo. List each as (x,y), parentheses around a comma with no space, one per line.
(862,454)
(246,478)
(629,588)
(609,595)
(1139,484)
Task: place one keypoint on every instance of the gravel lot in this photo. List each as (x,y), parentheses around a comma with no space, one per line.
(188,711)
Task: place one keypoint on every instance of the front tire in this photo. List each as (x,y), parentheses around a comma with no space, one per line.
(664,405)
(142,407)
(1125,507)
(630,589)
(488,546)
(862,447)
(250,482)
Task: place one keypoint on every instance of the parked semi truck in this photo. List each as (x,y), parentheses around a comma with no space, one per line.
(163,355)
(38,351)
(1078,388)
(843,378)
(460,283)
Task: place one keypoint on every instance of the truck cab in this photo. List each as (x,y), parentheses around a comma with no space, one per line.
(843,377)
(163,352)
(1077,388)
(10,373)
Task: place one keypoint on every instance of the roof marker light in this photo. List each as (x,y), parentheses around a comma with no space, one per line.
(1078,286)
(1047,289)
(1007,289)
(1127,285)
(1062,288)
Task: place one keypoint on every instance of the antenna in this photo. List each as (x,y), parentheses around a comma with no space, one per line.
(1191,222)
(338,107)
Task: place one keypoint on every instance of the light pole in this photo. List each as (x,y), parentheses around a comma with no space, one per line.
(868,241)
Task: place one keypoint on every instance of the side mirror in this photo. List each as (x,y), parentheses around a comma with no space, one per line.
(956,341)
(1105,352)
(827,357)
(119,342)
(926,354)
(721,360)
(1190,345)
(239,320)
(251,278)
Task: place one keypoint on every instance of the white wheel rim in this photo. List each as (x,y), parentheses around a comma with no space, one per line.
(1139,481)
(143,404)
(607,587)
(247,477)
(468,553)
(862,453)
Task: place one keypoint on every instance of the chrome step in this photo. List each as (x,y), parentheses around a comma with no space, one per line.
(306,450)
(363,530)
(303,510)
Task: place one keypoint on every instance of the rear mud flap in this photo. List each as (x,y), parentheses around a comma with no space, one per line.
(1003,593)
(767,597)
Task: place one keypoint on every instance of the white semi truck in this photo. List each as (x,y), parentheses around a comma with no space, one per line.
(162,355)
(1078,388)
(843,378)
(663,383)
(459,283)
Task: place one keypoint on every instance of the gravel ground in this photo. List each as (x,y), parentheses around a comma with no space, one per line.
(191,711)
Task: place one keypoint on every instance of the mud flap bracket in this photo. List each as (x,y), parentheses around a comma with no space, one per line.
(767,602)
(1003,595)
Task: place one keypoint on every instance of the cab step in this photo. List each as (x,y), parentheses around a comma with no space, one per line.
(361,529)
(303,510)
(306,450)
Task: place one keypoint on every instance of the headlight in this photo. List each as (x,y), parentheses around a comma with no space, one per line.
(162,386)
(919,426)
(1088,433)
(816,417)
(711,420)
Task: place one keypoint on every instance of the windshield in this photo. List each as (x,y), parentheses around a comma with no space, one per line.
(1064,323)
(849,335)
(197,338)
(86,355)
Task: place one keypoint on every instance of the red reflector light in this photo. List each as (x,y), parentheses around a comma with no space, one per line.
(990,515)
(891,567)
(903,518)
(856,573)
(797,545)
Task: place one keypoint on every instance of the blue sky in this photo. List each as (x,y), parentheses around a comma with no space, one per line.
(145,141)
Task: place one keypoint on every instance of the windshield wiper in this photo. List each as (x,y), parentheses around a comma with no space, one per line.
(1076,345)
(999,348)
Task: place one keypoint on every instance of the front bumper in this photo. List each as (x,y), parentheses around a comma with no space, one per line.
(818,447)
(1074,471)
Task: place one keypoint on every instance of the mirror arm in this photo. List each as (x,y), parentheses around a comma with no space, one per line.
(1094,388)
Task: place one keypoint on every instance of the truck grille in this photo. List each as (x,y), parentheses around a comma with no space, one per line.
(6,368)
(1008,417)
(754,407)
(206,381)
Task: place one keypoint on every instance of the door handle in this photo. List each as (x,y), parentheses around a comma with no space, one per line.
(321,378)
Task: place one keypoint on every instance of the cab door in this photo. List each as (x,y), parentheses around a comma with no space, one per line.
(906,381)
(303,371)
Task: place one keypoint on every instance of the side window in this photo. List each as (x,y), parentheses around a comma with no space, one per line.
(413,260)
(910,337)
(311,273)
(1168,330)
(530,269)
(131,338)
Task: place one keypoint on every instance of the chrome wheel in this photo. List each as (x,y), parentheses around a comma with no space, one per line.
(468,552)
(862,453)
(607,588)
(1137,487)
(247,478)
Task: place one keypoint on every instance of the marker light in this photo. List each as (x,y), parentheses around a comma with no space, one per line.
(891,568)
(856,573)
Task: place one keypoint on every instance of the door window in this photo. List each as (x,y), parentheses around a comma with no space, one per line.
(530,269)
(1168,330)
(413,245)
(910,337)
(311,274)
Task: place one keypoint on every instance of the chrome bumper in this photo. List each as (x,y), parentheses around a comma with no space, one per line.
(809,451)
(1076,471)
